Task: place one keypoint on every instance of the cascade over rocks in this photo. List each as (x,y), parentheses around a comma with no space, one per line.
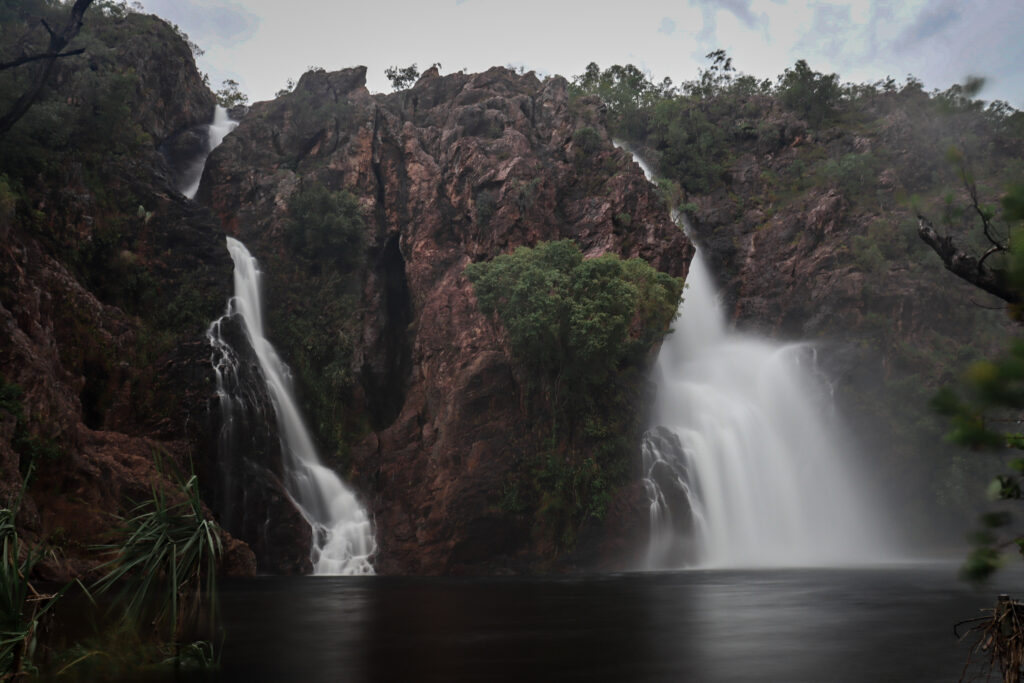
(457,169)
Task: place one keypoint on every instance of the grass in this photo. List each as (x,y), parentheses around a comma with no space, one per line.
(22,607)
(167,563)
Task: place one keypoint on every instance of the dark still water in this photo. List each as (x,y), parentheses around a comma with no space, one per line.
(891,624)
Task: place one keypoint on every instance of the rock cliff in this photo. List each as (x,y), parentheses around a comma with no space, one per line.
(427,417)
(108,278)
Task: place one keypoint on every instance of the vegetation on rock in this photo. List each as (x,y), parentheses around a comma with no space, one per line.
(577,328)
(804,194)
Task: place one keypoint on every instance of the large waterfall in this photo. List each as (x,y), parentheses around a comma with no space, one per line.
(343,540)
(745,466)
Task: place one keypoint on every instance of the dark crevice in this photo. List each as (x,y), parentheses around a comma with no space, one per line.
(386,390)
(95,394)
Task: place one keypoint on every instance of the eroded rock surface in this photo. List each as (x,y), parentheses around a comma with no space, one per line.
(458,169)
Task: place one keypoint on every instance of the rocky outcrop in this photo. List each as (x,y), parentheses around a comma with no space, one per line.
(457,169)
(108,275)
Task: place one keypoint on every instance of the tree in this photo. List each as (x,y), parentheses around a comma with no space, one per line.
(987,410)
(402,78)
(326,226)
(54,51)
(229,95)
(809,93)
(574,322)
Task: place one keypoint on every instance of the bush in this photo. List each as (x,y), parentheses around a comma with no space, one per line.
(587,140)
(853,174)
(574,322)
(326,225)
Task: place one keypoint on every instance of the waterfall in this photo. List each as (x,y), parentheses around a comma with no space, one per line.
(745,465)
(343,540)
(215,132)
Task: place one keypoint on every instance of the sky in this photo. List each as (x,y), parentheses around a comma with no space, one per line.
(263,43)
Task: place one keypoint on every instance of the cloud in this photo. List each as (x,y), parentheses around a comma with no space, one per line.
(741,9)
(668,27)
(833,34)
(212,22)
(930,23)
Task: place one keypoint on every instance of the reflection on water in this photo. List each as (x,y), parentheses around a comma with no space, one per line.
(891,624)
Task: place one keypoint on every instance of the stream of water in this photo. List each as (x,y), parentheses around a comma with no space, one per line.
(342,534)
(343,540)
(216,131)
(746,466)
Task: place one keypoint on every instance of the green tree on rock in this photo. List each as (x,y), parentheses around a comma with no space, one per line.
(572,323)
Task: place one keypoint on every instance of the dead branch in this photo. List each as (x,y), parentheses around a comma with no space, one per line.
(34,58)
(965,266)
(999,634)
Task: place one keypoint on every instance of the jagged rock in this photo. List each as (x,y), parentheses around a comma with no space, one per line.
(457,169)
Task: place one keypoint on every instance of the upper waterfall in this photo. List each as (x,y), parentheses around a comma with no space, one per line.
(216,130)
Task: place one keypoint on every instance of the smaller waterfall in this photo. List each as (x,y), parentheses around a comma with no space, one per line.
(343,540)
(215,132)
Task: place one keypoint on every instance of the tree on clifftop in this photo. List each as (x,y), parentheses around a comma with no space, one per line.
(402,78)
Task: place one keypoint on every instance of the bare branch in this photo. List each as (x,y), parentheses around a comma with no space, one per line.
(965,266)
(995,249)
(34,58)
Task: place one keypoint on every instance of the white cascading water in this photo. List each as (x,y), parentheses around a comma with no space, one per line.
(745,467)
(343,540)
(215,132)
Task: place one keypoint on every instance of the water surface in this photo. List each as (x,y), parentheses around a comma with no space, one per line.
(879,624)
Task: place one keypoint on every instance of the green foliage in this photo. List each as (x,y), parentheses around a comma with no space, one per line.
(312,302)
(402,78)
(985,415)
(569,318)
(853,174)
(289,86)
(326,226)
(485,203)
(626,92)
(810,94)
(22,607)
(166,562)
(578,329)
(228,95)
(694,146)
(587,140)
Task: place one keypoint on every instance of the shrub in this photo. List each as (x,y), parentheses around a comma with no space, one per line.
(326,225)
(574,322)
(587,140)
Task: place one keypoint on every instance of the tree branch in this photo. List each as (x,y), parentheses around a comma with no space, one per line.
(58,41)
(33,58)
(965,266)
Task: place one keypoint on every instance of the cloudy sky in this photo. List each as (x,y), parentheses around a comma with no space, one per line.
(263,43)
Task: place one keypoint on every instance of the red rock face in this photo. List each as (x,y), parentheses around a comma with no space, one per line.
(457,169)
(98,255)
